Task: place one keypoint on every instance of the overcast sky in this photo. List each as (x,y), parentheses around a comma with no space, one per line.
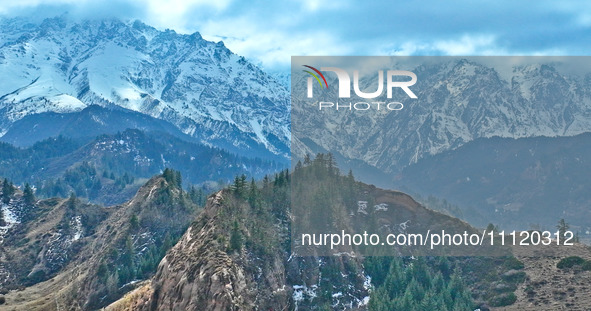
(270,32)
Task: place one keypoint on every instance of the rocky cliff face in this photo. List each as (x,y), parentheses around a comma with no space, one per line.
(199,274)
(235,256)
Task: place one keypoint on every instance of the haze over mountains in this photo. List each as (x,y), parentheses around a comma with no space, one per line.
(517,183)
(459,100)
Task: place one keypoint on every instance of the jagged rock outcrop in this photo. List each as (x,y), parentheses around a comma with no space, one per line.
(199,273)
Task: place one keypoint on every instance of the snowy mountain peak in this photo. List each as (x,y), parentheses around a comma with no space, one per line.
(459,100)
(200,86)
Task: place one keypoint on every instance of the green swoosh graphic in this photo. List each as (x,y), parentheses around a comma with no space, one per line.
(315,76)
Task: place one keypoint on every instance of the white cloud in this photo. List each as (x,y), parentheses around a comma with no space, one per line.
(469,45)
(315,5)
(7,6)
(176,14)
(273,48)
(270,32)
(461,45)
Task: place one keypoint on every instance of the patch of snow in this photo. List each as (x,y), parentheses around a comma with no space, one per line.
(256,127)
(367,283)
(381,207)
(10,220)
(364,301)
(77,228)
(302,292)
(361,207)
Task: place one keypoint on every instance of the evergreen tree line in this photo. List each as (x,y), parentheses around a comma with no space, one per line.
(409,285)
(325,196)
(8,191)
(268,202)
(48,165)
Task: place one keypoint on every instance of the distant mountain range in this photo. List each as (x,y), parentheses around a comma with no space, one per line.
(110,168)
(200,87)
(459,100)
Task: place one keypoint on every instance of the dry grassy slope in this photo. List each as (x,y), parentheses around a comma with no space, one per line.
(69,290)
(553,288)
(50,295)
(37,243)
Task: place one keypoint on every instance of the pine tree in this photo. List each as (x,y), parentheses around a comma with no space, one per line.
(178,179)
(429,302)
(128,272)
(168,175)
(307,160)
(239,186)
(562,226)
(298,166)
(395,283)
(253,194)
(111,284)
(490,228)
(331,164)
(7,191)
(380,301)
(407,302)
(2,222)
(102,272)
(71,203)
(457,290)
(28,195)
(134,222)
(235,238)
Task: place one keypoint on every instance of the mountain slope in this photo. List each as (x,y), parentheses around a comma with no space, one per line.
(236,256)
(513,183)
(201,87)
(459,99)
(86,124)
(89,255)
(548,287)
(110,168)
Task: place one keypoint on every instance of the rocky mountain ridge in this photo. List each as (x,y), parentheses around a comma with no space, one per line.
(459,99)
(63,65)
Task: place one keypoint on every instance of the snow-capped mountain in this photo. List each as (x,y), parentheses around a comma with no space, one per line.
(201,87)
(459,100)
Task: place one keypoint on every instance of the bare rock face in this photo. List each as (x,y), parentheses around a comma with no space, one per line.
(200,274)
